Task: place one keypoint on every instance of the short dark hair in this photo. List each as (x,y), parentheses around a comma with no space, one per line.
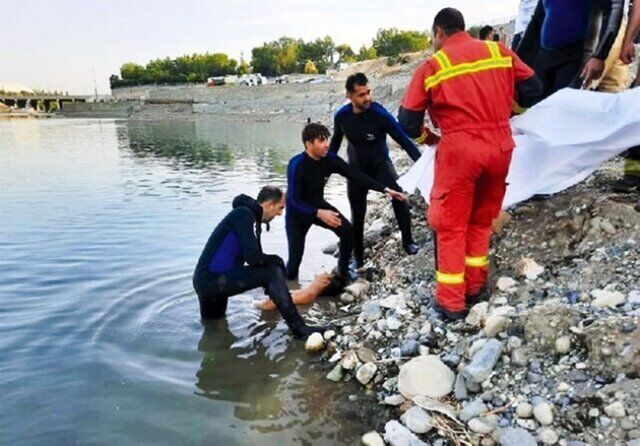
(450,20)
(270,193)
(485,31)
(314,131)
(355,79)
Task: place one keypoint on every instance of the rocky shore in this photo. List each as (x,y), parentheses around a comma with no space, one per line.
(553,355)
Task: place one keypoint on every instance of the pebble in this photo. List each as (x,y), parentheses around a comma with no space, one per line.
(366,354)
(426,328)
(607,299)
(460,388)
(484,425)
(506,284)
(477,314)
(347,298)
(547,436)
(563,345)
(314,343)
(393,323)
(417,420)
(543,412)
(483,362)
(329,334)
(358,288)
(410,347)
(517,437)
(335,374)
(366,372)
(394,400)
(519,357)
(495,324)
(396,434)
(371,311)
(372,439)
(349,360)
(615,410)
(425,375)
(472,410)
(529,268)
(524,410)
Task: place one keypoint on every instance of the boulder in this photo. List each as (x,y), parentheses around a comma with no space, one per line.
(425,375)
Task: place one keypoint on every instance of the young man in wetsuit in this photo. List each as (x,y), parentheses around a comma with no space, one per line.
(559,35)
(306,176)
(366,125)
(232,261)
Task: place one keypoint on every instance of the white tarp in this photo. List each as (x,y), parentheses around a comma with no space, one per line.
(559,142)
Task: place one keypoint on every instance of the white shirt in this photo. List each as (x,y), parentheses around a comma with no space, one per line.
(525,11)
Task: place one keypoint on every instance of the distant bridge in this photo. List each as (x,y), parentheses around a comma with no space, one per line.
(25,101)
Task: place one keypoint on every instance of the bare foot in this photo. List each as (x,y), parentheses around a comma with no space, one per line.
(302,296)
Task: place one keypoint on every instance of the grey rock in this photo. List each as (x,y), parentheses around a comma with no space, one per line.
(547,436)
(472,410)
(410,347)
(483,425)
(372,439)
(335,374)
(425,375)
(396,434)
(366,372)
(483,361)
(371,311)
(517,437)
(417,420)
(460,388)
(543,412)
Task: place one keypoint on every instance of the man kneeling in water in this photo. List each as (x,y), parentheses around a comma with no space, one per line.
(221,271)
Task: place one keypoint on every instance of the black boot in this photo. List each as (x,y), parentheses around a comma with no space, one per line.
(279,294)
(450,315)
(473,299)
(410,248)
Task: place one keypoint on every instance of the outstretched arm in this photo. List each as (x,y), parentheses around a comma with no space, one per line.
(393,129)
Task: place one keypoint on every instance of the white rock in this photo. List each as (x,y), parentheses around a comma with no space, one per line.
(425,375)
(372,439)
(426,328)
(524,410)
(563,345)
(350,360)
(314,343)
(615,410)
(393,323)
(417,420)
(476,346)
(397,435)
(478,425)
(358,288)
(335,374)
(529,268)
(336,357)
(394,400)
(606,298)
(394,301)
(634,297)
(543,413)
(329,334)
(506,284)
(546,435)
(495,324)
(366,372)
(477,314)
(564,387)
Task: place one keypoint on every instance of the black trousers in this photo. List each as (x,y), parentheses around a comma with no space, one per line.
(298,226)
(383,173)
(214,289)
(559,68)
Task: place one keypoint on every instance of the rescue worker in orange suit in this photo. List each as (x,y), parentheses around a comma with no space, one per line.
(468,87)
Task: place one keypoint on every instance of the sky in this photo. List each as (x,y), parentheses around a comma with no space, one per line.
(60,44)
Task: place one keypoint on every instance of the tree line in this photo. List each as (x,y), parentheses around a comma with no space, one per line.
(283,56)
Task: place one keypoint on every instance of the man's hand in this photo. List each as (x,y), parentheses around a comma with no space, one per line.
(329,217)
(628,52)
(591,71)
(394,194)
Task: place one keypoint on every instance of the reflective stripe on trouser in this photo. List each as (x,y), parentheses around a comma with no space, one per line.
(466,196)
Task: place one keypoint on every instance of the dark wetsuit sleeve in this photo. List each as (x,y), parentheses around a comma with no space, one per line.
(336,139)
(528,86)
(394,130)
(339,166)
(612,13)
(530,43)
(294,179)
(243,224)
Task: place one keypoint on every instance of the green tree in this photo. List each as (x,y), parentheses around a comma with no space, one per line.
(310,68)
(392,42)
(367,53)
(244,68)
(346,53)
(277,57)
(320,51)
(132,71)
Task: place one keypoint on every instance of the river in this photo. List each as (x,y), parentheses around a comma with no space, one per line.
(100,336)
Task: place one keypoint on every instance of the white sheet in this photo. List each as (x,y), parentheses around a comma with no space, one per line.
(559,142)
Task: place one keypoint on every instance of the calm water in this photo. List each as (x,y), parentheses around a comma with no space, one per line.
(102,222)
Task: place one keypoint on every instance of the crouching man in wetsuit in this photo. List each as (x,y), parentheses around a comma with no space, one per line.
(306,206)
(366,125)
(221,271)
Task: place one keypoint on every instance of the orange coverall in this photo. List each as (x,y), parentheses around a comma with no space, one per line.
(468,89)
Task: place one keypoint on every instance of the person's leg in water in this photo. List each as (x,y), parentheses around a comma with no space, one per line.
(304,295)
(358,203)
(215,288)
(297,229)
(387,175)
(345,234)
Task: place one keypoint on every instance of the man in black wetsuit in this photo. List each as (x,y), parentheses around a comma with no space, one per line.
(221,271)
(306,176)
(366,125)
